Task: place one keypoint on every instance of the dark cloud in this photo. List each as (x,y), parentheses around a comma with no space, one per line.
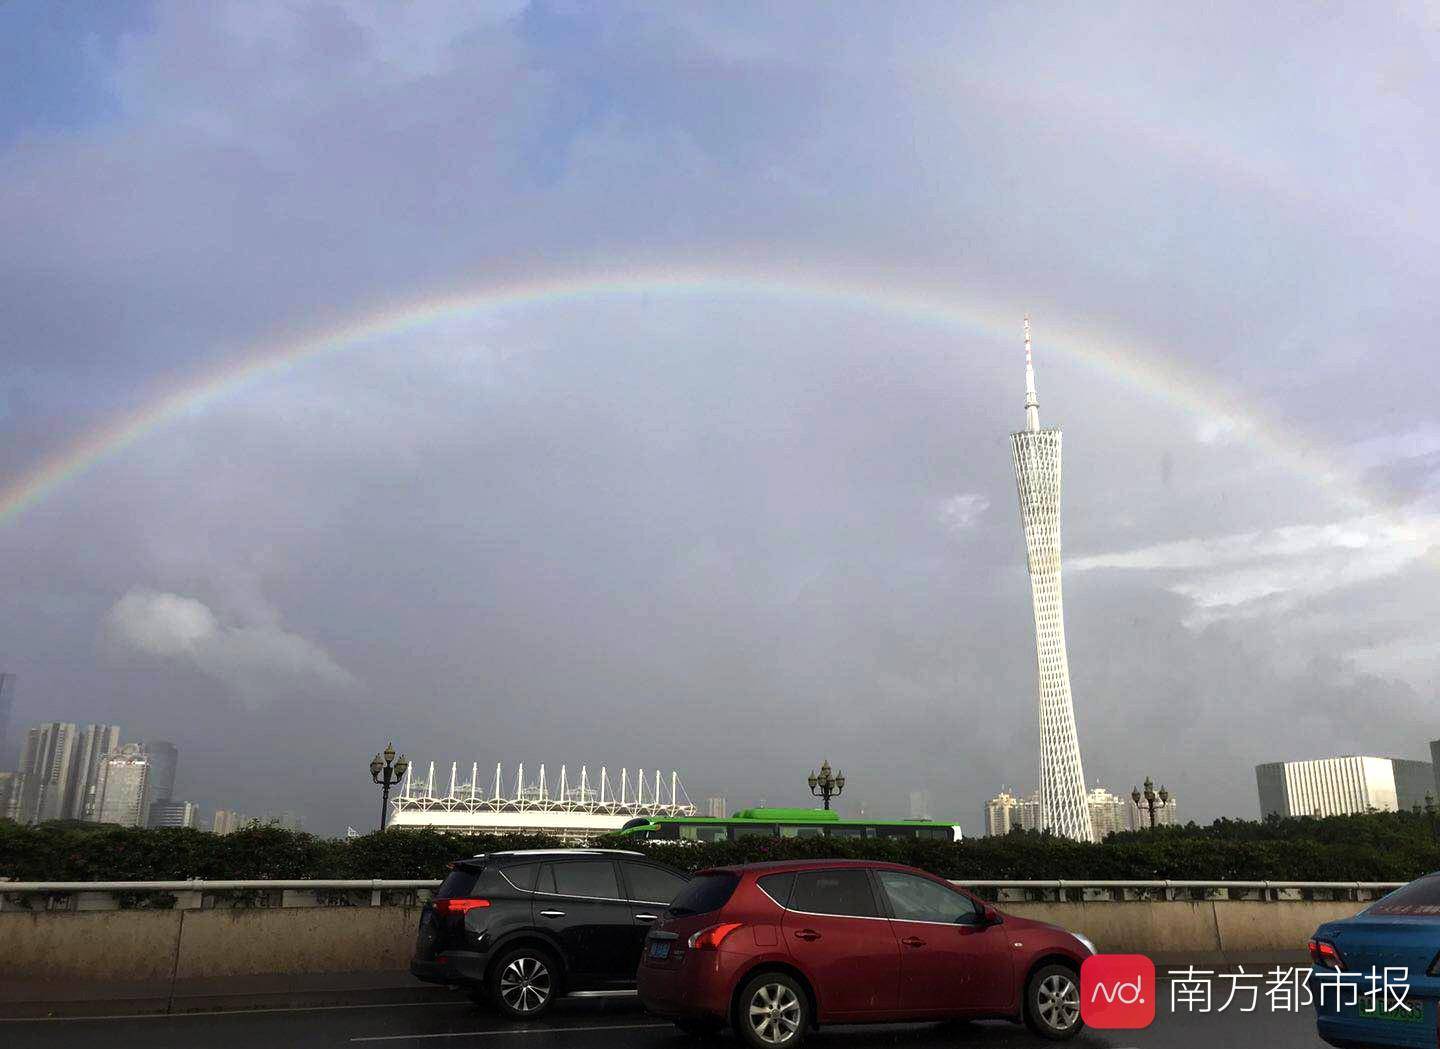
(727,533)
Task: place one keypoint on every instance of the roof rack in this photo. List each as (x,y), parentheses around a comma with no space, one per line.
(558,851)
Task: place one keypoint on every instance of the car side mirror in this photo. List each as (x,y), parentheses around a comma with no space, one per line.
(983,918)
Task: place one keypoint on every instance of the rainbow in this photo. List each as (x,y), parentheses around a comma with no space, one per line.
(1149,371)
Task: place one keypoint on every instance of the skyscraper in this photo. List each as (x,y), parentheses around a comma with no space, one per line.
(164,757)
(122,796)
(7,707)
(921,805)
(46,772)
(1036,455)
(715,808)
(95,742)
(9,799)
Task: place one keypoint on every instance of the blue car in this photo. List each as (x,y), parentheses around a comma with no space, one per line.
(1361,964)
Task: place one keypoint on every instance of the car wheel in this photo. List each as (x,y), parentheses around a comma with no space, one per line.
(1052,1002)
(699,1028)
(772,1011)
(524,982)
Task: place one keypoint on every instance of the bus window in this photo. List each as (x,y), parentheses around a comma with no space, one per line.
(662,832)
(710,832)
(895,832)
(805,831)
(936,833)
(751,830)
(845,832)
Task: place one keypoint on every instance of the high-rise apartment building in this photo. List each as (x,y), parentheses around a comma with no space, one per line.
(173,814)
(1000,814)
(1137,817)
(1337,786)
(1435,765)
(94,744)
(715,808)
(1006,811)
(123,793)
(1107,813)
(227,821)
(46,771)
(1036,456)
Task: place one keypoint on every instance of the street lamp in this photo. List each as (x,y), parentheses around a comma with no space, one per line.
(1152,799)
(387,772)
(825,785)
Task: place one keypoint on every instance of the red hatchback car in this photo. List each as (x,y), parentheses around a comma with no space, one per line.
(774,949)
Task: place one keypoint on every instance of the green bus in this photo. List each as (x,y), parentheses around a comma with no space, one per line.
(782,823)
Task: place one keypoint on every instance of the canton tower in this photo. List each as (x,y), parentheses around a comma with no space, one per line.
(1036,453)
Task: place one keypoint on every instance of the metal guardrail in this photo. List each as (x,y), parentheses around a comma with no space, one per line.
(1083,891)
(208,885)
(192,894)
(308,884)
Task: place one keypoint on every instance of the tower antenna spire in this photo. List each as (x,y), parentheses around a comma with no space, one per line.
(1032,405)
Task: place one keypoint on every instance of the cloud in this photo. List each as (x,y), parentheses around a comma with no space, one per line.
(1220,429)
(1250,573)
(962,512)
(182,629)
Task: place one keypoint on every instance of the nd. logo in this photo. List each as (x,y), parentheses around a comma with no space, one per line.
(1117,991)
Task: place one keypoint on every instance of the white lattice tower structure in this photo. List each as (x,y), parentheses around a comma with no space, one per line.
(1036,455)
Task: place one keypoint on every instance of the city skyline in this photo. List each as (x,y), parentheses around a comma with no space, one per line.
(665,416)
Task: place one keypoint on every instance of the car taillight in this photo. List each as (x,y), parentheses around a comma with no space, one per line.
(1325,954)
(458,906)
(711,938)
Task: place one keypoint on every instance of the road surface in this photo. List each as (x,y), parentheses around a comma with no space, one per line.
(602,1025)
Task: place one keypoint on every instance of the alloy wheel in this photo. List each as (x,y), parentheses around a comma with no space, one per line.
(774,1013)
(1057,1000)
(525,984)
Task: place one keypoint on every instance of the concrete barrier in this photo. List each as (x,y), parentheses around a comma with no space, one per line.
(169,945)
(1194,931)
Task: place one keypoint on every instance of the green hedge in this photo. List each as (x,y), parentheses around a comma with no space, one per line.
(1374,847)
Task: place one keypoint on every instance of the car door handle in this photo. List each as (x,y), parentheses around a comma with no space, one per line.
(647,917)
(806,934)
(552,914)
(913,941)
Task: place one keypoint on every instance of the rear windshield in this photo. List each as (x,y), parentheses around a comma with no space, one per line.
(1419,897)
(704,893)
(458,884)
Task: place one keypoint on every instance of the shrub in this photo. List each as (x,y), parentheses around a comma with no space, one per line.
(1387,846)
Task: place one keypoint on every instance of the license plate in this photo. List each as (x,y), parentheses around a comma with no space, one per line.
(1412,1014)
(659,949)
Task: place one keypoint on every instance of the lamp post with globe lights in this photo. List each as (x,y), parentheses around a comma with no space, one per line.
(387,771)
(1152,798)
(826,785)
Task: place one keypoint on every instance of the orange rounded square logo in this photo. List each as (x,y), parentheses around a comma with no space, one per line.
(1117,991)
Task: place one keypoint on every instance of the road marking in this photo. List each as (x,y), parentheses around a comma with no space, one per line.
(225,1012)
(504,1030)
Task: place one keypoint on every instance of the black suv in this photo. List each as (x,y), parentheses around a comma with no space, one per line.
(519,929)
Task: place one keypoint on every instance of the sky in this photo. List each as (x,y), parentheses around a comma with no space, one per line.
(666,360)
